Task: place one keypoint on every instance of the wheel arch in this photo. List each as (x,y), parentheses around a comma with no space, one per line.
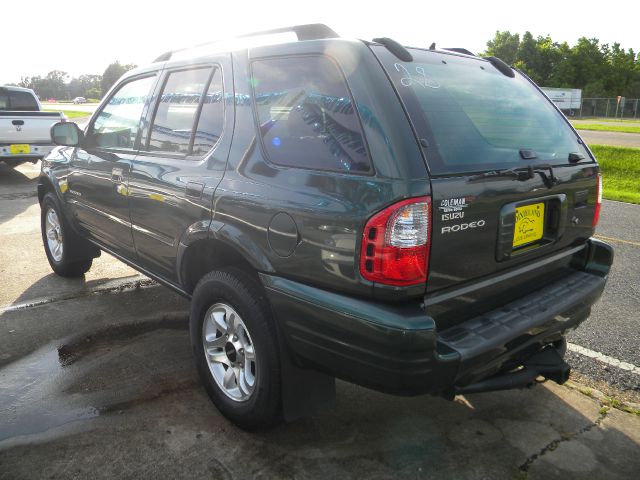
(46,184)
(202,250)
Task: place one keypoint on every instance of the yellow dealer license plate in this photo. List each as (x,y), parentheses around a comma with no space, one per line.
(529,224)
(19,148)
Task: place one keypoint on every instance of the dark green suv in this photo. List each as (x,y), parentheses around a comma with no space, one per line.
(411,220)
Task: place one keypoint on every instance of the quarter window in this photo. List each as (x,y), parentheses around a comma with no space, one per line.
(117,124)
(306,115)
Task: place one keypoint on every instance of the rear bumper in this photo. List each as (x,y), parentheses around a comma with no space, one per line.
(397,348)
(36,151)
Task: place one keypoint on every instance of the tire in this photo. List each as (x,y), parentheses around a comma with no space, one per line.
(220,299)
(59,240)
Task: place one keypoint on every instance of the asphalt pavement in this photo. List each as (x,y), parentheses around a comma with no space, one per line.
(610,138)
(97,380)
(613,328)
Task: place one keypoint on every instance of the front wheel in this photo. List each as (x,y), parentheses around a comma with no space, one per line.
(235,348)
(58,240)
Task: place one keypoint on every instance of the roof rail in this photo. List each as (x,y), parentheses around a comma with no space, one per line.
(460,50)
(311,31)
(396,48)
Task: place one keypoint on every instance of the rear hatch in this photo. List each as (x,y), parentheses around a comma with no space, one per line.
(513,186)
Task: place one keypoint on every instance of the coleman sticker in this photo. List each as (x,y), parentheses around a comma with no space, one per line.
(453,208)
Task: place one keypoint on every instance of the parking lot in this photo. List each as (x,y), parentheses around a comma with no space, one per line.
(97,379)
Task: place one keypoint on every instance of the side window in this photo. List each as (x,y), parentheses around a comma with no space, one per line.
(306,116)
(211,118)
(175,116)
(117,124)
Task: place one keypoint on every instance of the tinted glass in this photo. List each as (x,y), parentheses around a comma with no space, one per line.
(211,117)
(117,125)
(477,117)
(23,101)
(20,101)
(175,114)
(307,117)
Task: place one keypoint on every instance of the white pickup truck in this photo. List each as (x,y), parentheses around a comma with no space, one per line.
(24,127)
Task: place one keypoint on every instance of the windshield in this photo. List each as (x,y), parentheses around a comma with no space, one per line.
(474,117)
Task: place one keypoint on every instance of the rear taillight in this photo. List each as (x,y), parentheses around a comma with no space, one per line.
(596,213)
(395,243)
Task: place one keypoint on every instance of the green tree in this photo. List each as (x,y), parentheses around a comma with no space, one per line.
(588,62)
(112,73)
(51,86)
(504,45)
(527,57)
(622,70)
(598,69)
(562,75)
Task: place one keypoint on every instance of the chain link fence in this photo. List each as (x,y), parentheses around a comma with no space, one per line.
(620,107)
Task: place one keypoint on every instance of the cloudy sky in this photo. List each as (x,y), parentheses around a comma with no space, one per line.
(84,36)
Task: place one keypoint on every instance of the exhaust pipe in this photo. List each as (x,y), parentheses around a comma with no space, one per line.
(547,362)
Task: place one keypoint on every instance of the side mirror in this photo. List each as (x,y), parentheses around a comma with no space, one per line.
(67,134)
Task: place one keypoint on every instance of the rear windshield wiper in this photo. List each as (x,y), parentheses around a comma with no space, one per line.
(575,157)
(518,173)
(521,174)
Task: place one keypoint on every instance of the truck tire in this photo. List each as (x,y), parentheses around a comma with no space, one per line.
(59,240)
(235,348)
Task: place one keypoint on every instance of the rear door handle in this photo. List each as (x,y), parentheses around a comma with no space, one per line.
(116,175)
(194,190)
(18,122)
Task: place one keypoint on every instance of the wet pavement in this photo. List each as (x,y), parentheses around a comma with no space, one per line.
(97,380)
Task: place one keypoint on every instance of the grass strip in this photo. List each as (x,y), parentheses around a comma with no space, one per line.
(605,119)
(69,113)
(620,172)
(607,128)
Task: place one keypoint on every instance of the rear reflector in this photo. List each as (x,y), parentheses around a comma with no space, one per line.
(396,242)
(596,213)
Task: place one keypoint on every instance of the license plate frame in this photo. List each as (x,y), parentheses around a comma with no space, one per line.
(529,223)
(20,149)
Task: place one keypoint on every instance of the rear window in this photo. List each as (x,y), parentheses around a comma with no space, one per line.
(475,118)
(18,101)
(307,116)
(210,123)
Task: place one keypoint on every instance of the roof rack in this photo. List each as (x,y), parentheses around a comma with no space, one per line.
(311,31)
(396,48)
(460,50)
